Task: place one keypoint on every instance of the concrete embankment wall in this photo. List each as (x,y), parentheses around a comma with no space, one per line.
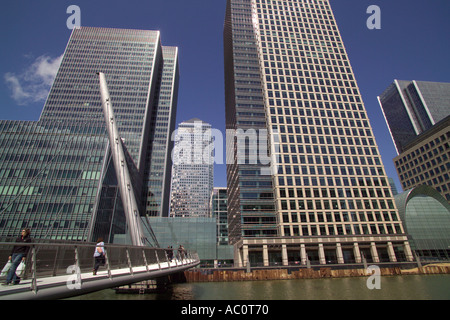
(209,275)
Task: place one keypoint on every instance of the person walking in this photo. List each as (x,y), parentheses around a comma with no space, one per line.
(99,255)
(181,252)
(170,253)
(18,254)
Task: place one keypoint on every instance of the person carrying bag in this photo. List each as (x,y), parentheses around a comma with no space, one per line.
(99,255)
(18,257)
(6,268)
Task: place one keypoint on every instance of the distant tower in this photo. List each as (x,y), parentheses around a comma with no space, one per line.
(193,170)
(412,107)
(418,116)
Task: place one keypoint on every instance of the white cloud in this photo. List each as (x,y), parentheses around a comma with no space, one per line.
(33,84)
(14,84)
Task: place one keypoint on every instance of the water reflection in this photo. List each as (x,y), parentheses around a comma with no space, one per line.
(431,287)
(180,293)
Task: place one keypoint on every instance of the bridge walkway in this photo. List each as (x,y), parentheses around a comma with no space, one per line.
(55,271)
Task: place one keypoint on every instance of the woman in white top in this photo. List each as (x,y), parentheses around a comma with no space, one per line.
(99,255)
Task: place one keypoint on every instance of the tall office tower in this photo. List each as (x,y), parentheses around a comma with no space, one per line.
(193,170)
(58,175)
(251,210)
(158,163)
(287,72)
(412,107)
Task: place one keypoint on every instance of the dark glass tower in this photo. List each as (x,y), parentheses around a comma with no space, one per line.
(66,185)
(412,107)
(418,116)
(250,194)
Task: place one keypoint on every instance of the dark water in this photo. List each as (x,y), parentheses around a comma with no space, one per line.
(412,287)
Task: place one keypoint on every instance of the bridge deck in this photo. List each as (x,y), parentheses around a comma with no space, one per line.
(67,285)
(147,264)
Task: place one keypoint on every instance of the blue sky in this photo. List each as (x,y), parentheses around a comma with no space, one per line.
(412,44)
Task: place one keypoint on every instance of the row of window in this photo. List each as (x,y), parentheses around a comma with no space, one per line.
(291,181)
(342,229)
(413,159)
(61,229)
(326,204)
(34,209)
(344,216)
(428,164)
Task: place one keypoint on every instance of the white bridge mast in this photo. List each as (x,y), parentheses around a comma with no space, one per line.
(123,175)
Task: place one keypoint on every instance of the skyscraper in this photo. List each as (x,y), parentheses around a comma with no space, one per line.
(193,170)
(412,107)
(418,116)
(59,168)
(328,198)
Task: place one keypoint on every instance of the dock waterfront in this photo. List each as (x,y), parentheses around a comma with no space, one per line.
(229,275)
(218,275)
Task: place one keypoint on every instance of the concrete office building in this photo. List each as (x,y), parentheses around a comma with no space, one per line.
(425,160)
(327,199)
(57,176)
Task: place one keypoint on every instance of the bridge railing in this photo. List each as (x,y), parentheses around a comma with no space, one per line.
(54,259)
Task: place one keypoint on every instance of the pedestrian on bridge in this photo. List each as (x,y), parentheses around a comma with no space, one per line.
(170,253)
(99,255)
(181,252)
(18,254)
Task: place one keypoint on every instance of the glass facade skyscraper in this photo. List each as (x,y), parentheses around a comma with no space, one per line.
(418,116)
(59,168)
(250,194)
(412,107)
(328,197)
(158,162)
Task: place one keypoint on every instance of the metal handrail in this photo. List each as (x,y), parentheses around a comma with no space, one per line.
(51,260)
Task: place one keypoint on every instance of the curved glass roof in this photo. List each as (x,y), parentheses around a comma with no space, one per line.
(426,218)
